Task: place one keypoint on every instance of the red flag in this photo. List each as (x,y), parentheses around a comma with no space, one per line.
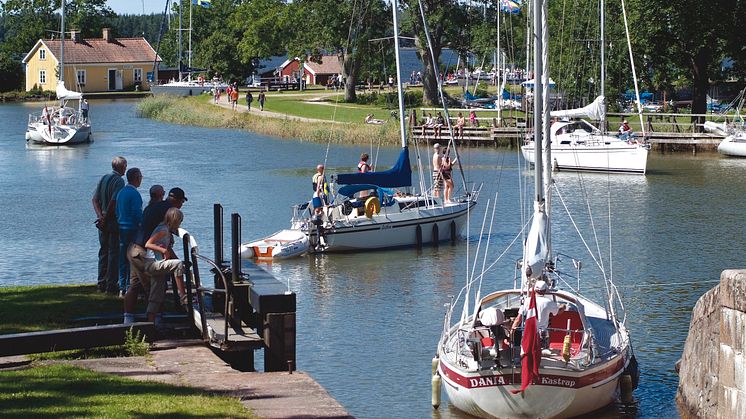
(530,347)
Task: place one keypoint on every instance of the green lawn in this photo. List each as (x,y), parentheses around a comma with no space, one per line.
(66,391)
(29,309)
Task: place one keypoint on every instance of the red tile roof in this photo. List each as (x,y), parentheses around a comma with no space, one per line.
(329,65)
(91,51)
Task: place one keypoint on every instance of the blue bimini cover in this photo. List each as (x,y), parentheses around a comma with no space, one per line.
(398,176)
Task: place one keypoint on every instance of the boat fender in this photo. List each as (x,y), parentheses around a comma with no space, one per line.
(566,348)
(453,232)
(625,388)
(436,235)
(434,365)
(372,206)
(436,382)
(633,370)
(418,236)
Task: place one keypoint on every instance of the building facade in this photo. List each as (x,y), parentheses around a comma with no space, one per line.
(92,65)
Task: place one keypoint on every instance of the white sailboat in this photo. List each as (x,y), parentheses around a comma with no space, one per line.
(63,124)
(185,85)
(387,217)
(571,366)
(734,144)
(582,146)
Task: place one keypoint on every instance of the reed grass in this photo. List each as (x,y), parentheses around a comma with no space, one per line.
(198,111)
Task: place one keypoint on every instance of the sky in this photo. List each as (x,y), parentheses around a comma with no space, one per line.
(135,7)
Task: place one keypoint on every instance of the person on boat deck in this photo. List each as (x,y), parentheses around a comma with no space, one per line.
(446,167)
(460,122)
(437,175)
(104,204)
(129,217)
(320,187)
(84,109)
(625,131)
(545,307)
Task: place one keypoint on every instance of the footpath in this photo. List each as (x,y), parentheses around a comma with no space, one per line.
(268,395)
(241,107)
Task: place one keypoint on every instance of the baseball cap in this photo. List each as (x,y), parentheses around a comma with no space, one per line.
(540,286)
(177,193)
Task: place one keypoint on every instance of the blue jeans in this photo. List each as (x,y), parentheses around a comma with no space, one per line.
(126,237)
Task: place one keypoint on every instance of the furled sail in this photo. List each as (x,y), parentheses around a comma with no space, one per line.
(398,176)
(595,111)
(64,94)
(536,251)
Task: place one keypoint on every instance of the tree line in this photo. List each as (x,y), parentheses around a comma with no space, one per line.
(675,44)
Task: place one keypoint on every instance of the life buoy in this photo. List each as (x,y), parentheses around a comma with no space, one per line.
(372,206)
(201,80)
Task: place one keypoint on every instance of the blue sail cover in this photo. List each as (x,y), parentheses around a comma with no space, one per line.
(398,176)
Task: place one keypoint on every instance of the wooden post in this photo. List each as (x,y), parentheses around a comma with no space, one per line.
(279,341)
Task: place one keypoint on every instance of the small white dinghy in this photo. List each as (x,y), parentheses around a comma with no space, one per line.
(281,245)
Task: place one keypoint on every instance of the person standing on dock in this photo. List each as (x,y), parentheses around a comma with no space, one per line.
(129,217)
(262,99)
(234,98)
(104,204)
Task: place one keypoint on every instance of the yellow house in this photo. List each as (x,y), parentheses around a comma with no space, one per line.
(92,65)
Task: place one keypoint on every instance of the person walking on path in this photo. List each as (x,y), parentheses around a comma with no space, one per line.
(262,99)
(104,204)
(249,99)
(234,98)
(129,216)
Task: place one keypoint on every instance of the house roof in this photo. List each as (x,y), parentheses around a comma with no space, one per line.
(98,50)
(329,65)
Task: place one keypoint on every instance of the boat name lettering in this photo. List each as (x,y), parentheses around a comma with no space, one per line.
(487,381)
(549,381)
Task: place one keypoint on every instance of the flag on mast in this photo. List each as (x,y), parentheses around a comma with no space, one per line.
(204,3)
(530,347)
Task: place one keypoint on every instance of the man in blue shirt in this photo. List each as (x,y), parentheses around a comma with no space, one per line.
(129,216)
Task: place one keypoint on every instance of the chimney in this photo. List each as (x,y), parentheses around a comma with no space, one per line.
(108,35)
(75,35)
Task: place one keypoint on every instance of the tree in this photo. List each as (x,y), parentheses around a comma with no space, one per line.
(88,16)
(446,20)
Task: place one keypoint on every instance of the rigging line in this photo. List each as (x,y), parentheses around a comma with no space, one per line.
(439,83)
(487,246)
(572,220)
(474,265)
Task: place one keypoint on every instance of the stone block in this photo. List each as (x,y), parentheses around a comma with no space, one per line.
(727,366)
(733,289)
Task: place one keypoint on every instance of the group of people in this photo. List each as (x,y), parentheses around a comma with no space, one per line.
(233,94)
(435,123)
(136,245)
(261,99)
(439,122)
(443,172)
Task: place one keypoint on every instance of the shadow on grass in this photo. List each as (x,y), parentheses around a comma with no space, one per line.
(65,391)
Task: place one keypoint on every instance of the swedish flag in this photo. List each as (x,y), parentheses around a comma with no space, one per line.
(203,3)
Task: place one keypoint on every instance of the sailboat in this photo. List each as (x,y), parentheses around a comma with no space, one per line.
(579,145)
(561,366)
(373,210)
(185,85)
(734,144)
(63,124)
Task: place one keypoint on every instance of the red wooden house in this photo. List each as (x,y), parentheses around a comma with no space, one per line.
(312,73)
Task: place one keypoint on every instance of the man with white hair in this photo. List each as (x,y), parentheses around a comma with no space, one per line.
(545,307)
(104,204)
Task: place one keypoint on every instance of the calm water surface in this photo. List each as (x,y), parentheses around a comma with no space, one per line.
(368,323)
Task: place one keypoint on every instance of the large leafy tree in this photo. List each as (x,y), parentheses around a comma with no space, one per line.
(89,16)
(685,39)
(446,21)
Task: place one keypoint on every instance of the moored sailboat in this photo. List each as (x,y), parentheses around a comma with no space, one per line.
(504,355)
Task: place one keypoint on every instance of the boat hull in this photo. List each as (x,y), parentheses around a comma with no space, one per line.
(58,135)
(392,230)
(281,245)
(733,145)
(615,159)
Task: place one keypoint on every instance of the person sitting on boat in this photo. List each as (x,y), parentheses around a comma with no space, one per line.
(625,131)
(545,308)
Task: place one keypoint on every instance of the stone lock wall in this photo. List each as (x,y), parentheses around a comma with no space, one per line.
(712,382)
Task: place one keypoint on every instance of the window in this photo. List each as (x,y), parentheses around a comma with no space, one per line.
(42,54)
(81,77)
(137,74)
(42,76)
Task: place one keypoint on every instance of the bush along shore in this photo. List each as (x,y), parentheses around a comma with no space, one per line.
(199,111)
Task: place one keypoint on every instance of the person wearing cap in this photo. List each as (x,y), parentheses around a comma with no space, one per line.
(625,131)
(545,307)
(437,175)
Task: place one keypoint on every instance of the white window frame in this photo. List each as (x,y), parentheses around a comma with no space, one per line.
(42,76)
(81,81)
(135,77)
(42,54)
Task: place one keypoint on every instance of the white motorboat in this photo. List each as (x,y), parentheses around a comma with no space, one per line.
(63,124)
(734,145)
(281,245)
(578,145)
(377,210)
(557,366)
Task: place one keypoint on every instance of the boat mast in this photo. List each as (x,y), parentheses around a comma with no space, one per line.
(603,66)
(181,7)
(62,45)
(498,68)
(538,105)
(189,53)
(399,89)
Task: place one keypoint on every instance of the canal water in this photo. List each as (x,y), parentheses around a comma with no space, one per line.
(368,323)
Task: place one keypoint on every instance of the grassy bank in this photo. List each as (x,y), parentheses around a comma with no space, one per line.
(198,111)
(65,391)
(30,309)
